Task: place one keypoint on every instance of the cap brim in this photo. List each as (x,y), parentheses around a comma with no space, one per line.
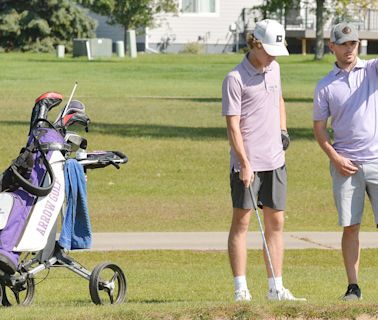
(346,39)
(275,50)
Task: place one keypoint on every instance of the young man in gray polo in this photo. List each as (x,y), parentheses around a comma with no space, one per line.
(255,114)
(349,96)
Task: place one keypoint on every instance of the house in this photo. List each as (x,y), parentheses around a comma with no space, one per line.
(219,26)
(215,24)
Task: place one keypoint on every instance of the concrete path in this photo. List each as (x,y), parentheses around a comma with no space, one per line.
(218,240)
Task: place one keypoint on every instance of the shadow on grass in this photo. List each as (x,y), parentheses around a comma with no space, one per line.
(193,99)
(155,301)
(301,133)
(167,132)
(160,131)
(306,100)
(213,99)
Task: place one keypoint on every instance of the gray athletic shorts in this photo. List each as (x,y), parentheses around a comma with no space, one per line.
(349,193)
(269,186)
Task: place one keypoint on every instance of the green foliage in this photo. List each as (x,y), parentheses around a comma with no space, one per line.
(346,10)
(276,8)
(193,48)
(132,14)
(40,25)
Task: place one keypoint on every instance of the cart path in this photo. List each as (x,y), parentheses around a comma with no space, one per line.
(218,240)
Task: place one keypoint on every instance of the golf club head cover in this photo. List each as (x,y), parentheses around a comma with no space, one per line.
(43,104)
(285,139)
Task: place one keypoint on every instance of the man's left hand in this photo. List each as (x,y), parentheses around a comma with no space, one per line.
(285,139)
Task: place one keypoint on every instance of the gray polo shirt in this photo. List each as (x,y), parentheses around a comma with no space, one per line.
(255,97)
(351,100)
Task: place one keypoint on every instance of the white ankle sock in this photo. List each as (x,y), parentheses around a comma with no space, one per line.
(240,283)
(278,286)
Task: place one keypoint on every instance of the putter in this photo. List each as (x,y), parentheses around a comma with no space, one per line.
(254,204)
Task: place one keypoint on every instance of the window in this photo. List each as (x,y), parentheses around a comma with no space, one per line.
(199,6)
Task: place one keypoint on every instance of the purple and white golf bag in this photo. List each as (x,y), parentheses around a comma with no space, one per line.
(32,188)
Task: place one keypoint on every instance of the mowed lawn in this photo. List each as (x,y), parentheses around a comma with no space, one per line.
(164,112)
(198,285)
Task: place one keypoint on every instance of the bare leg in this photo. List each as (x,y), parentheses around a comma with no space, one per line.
(237,241)
(350,245)
(274,223)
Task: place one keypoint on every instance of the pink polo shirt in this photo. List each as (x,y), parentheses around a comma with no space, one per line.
(255,97)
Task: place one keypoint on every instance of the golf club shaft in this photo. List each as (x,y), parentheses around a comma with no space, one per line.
(70,98)
(265,244)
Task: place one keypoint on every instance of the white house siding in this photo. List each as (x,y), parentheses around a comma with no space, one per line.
(211,30)
(174,32)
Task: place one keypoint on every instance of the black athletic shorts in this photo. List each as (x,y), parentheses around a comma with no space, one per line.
(269,186)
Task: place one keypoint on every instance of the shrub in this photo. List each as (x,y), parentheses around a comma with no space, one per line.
(193,48)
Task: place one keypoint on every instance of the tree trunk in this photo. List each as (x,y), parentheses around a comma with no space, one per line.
(319,42)
(125,37)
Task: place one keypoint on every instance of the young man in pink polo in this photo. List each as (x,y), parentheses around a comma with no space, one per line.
(348,95)
(256,125)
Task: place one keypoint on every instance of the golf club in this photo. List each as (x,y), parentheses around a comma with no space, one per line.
(63,112)
(254,204)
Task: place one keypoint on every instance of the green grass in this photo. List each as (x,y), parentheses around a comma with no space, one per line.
(198,285)
(164,112)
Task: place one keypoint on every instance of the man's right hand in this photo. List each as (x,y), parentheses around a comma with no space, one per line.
(344,166)
(246,175)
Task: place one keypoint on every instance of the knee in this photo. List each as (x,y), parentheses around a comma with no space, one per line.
(351,230)
(274,227)
(240,226)
(274,222)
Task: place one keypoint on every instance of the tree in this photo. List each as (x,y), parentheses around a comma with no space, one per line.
(319,33)
(131,14)
(343,10)
(277,8)
(40,25)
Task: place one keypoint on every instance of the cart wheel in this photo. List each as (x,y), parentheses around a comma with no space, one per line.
(20,294)
(107,284)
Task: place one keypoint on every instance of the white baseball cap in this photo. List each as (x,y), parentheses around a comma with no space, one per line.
(272,36)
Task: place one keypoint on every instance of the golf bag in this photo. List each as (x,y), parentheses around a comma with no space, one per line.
(32,194)
(32,188)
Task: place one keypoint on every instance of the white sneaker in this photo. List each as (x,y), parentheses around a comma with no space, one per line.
(242,295)
(283,295)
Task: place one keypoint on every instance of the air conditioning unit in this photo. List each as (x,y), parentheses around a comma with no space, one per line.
(92,48)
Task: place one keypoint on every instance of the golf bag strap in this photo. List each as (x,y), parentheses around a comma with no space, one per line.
(28,186)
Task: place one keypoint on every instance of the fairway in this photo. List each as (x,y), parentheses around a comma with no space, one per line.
(164,112)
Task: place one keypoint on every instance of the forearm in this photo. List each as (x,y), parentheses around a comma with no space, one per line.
(323,139)
(236,141)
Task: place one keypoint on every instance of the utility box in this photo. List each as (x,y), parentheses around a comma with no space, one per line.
(131,43)
(92,48)
(120,49)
